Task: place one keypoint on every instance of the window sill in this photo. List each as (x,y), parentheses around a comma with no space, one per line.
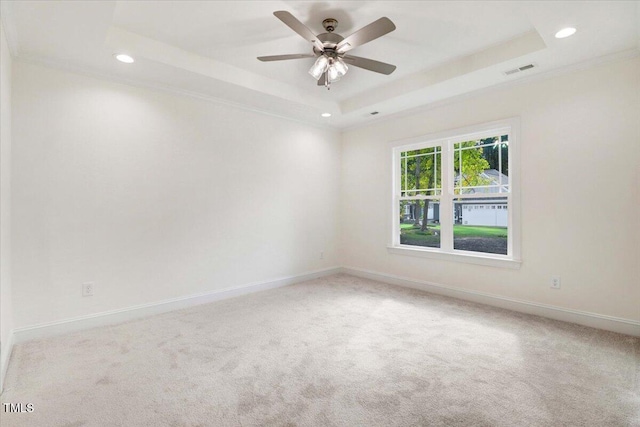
(464,257)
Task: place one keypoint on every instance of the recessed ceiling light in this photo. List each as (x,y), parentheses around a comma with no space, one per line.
(124,58)
(565,32)
(326,114)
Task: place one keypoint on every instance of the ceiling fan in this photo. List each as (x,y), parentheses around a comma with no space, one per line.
(330,48)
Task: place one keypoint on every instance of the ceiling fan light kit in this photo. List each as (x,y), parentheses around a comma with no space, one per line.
(334,67)
(340,67)
(320,66)
(330,48)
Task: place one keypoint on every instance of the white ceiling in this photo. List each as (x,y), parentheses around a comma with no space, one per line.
(209,48)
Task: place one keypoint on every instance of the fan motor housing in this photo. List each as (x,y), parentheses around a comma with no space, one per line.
(329,40)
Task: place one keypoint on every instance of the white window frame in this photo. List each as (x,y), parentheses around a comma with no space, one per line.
(447,140)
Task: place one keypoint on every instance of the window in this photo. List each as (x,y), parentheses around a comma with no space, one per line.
(455,195)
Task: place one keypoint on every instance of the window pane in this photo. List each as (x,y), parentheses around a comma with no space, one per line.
(421,172)
(416,228)
(481,225)
(482,166)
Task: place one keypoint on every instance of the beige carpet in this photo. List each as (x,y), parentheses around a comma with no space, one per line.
(338,351)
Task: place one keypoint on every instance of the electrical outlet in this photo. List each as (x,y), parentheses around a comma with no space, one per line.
(87,289)
(555,282)
(321,255)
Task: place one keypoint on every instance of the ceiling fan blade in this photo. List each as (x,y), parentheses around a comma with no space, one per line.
(285,57)
(322,81)
(297,26)
(364,35)
(369,64)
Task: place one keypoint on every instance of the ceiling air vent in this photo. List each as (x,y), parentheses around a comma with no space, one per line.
(517,70)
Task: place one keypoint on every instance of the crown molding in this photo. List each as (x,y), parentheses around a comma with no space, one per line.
(593,62)
(90,72)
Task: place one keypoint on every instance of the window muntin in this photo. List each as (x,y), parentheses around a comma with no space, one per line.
(421,172)
(467,175)
(481,165)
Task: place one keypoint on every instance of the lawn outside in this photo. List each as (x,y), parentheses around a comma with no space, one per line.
(465,237)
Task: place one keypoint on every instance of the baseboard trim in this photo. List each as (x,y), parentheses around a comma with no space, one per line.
(135,312)
(7,349)
(594,320)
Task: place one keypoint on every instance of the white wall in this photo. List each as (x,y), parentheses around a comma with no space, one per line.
(580,191)
(6,308)
(154,196)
